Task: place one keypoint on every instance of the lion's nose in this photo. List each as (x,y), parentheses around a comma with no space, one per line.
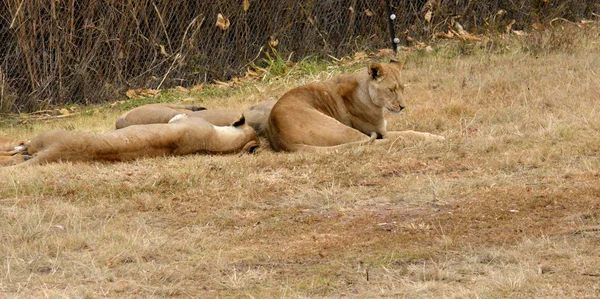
(401,108)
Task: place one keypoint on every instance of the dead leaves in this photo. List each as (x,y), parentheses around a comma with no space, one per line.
(222,22)
(273,42)
(245,5)
(252,74)
(198,87)
(141,93)
(509,26)
(456,30)
(515,32)
(428,16)
(48,114)
(360,57)
(428,8)
(224,84)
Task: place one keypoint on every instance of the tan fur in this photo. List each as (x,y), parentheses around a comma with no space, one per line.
(156,114)
(264,106)
(10,146)
(342,112)
(184,136)
(153,114)
(255,118)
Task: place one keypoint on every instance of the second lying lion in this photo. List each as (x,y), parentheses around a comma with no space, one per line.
(182,136)
(162,113)
(9,146)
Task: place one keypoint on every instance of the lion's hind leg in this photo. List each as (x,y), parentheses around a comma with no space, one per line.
(354,144)
(306,129)
(13,160)
(410,135)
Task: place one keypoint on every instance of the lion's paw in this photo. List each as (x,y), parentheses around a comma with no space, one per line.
(434,137)
(178,117)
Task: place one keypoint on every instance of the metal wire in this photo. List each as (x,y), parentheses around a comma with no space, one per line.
(92,51)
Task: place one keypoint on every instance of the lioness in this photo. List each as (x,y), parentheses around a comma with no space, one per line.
(342,112)
(264,106)
(154,114)
(159,113)
(10,146)
(181,136)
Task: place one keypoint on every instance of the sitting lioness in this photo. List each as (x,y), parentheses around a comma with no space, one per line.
(181,136)
(162,113)
(342,112)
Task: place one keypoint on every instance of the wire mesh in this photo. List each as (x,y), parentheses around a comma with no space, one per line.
(56,52)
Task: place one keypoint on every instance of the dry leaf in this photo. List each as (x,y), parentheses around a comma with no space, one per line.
(251,74)
(182,89)
(64,111)
(360,55)
(245,5)
(273,42)
(448,35)
(537,26)
(509,26)
(222,22)
(147,92)
(191,99)
(468,36)
(459,28)
(224,84)
(197,87)
(131,94)
(384,52)
(163,51)
(368,12)
(428,15)
(519,32)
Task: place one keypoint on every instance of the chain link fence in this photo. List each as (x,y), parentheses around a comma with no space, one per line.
(55,52)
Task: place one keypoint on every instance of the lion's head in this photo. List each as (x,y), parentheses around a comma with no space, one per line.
(385,87)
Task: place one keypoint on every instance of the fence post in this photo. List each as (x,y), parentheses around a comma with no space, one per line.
(391,17)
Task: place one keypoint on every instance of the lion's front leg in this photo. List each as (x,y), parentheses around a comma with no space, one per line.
(13,160)
(413,135)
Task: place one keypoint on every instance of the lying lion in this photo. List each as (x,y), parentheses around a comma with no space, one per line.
(181,136)
(155,114)
(162,113)
(342,112)
(10,146)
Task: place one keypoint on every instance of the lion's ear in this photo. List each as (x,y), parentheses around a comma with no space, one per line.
(240,122)
(397,63)
(376,71)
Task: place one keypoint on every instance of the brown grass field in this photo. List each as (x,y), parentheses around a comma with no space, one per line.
(509,206)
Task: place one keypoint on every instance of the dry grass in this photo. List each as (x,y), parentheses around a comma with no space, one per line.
(507,207)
